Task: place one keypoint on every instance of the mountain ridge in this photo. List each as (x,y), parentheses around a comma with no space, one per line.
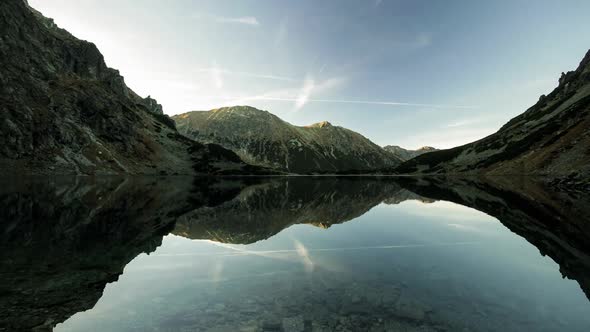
(262,138)
(551,138)
(406,154)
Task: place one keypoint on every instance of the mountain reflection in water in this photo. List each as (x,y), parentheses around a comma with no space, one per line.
(63,241)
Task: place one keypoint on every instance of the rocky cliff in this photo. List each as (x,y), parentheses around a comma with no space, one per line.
(262,138)
(63,111)
(550,138)
(405,154)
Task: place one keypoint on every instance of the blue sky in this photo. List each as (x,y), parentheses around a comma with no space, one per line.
(409,73)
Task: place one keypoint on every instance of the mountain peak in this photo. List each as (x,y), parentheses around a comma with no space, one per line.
(272,142)
(427,148)
(241,110)
(405,154)
(323,124)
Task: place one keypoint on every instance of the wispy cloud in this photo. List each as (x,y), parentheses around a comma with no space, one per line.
(419,41)
(216,75)
(248,20)
(245,20)
(304,98)
(462,123)
(246,74)
(390,103)
(378,3)
(300,96)
(282,32)
(305,93)
(445,139)
(423,40)
(471,122)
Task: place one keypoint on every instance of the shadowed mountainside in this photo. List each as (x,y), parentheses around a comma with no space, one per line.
(261,138)
(63,111)
(550,138)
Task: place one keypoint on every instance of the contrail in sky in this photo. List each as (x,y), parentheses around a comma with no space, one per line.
(346,101)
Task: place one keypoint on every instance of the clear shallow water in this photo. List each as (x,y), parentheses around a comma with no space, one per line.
(300,254)
(439,265)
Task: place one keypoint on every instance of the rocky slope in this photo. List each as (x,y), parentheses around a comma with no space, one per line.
(262,138)
(64,111)
(550,138)
(405,154)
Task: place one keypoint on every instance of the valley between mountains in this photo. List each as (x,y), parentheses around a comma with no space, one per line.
(65,112)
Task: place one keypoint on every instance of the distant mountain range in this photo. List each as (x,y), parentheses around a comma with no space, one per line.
(406,155)
(550,138)
(261,138)
(65,112)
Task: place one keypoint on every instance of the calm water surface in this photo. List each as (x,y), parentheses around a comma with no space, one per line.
(346,255)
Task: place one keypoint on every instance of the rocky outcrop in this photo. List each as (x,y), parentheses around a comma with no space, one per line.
(551,138)
(64,111)
(405,154)
(261,138)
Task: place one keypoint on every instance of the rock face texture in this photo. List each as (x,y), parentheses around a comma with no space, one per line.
(406,155)
(550,138)
(63,111)
(261,138)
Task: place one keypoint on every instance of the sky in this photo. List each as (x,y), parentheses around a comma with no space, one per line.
(411,73)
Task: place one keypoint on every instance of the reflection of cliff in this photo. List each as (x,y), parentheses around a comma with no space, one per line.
(62,242)
(262,211)
(557,223)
